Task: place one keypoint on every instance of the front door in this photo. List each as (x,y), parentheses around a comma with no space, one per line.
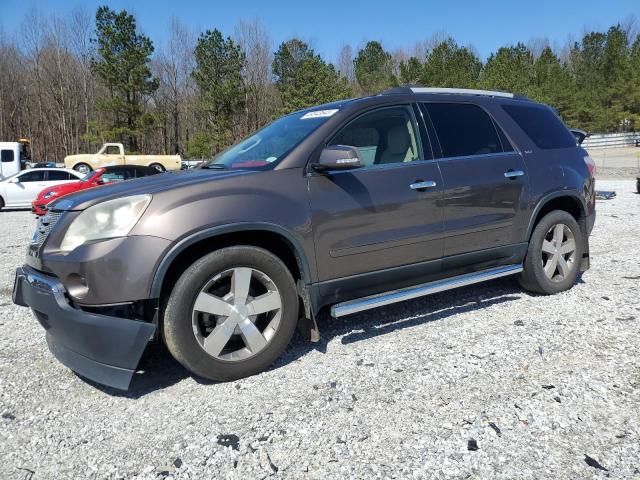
(485,183)
(26,188)
(386,214)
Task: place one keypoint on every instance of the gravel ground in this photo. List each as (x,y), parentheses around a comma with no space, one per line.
(616,163)
(481,382)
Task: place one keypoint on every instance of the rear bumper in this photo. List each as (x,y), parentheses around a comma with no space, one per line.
(101,348)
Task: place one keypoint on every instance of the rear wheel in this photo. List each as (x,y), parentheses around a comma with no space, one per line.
(82,168)
(1,203)
(231,313)
(158,167)
(554,254)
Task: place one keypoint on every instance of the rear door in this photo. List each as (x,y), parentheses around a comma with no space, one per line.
(386,214)
(57,177)
(485,182)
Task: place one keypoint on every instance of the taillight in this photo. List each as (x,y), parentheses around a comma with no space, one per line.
(591,165)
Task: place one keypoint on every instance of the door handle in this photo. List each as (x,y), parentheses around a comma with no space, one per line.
(513,173)
(419,185)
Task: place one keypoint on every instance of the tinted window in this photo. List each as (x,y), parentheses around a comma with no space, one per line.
(382,136)
(32,177)
(463,129)
(541,125)
(53,175)
(116,175)
(143,171)
(7,155)
(506,144)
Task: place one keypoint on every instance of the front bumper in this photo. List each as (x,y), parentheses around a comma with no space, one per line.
(101,348)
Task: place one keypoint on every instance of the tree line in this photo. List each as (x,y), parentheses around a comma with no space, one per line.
(70,84)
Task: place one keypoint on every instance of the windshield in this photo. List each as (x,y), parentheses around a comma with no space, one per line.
(266,147)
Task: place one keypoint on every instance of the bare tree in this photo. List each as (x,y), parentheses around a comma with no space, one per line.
(173,66)
(345,63)
(253,38)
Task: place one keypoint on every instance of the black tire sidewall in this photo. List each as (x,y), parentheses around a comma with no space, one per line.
(177,322)
(536,278)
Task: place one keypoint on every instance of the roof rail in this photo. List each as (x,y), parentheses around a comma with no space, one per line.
(462,91)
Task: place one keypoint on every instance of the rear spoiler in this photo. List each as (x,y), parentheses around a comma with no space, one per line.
(580,135)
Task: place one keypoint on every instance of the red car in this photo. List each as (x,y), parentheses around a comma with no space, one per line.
(101,176)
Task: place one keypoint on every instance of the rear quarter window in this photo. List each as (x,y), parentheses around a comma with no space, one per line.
(541,125)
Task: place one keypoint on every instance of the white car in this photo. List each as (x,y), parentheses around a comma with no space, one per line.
(22,188)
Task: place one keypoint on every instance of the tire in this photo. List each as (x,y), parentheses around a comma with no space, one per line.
(186,327)
(82,168)
(158,167)
(543,247)
(1,203)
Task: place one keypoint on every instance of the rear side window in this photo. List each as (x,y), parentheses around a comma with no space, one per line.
(464,129)
(541,125)
(53,175)
(6,155)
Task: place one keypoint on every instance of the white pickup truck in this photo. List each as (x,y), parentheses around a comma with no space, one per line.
(13,157)
(113,154)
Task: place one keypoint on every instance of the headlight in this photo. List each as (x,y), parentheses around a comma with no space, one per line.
(49,195)
(114,218)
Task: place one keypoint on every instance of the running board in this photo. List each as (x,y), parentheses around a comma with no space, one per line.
(387,298)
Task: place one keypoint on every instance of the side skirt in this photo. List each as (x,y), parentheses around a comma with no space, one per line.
(387,298)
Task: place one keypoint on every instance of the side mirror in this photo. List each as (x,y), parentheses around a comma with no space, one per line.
(338,157)
(15,180)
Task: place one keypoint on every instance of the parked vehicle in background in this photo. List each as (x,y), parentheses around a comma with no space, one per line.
(101,176)
(113,154)
(350,205)
(43,165)
(13,157)
(23,188)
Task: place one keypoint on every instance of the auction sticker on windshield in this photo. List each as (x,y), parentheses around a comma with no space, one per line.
(318,114)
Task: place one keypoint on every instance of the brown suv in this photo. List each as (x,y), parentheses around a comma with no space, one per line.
(351,205)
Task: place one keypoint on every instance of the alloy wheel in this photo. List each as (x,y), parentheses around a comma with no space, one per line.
(237,314)
(558,252)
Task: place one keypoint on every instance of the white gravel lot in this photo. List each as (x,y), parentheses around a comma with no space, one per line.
(545,387)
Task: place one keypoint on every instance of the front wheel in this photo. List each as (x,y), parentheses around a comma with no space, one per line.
(555,251)
(82,168)
(231,313)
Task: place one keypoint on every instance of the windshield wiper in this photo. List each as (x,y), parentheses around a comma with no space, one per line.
(215,166)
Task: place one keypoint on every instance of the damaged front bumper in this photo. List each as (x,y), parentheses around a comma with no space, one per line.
(101,348)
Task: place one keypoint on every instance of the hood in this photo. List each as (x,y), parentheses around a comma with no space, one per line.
(64,187)
(152,184)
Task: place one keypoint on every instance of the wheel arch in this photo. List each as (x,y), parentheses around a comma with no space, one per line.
(272,238)
(569,201)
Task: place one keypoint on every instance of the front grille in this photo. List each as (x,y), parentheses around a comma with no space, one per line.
(44,227)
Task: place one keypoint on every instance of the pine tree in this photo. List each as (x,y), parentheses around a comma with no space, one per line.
(449,65)
(373,68)
(121,64)
(218,76)
(510,69)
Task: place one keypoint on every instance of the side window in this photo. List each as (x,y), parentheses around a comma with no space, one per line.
(463,129)
(115,175)
(53,176)
(7,156)
(32,177)
(506,144)
(112,150)
(541,125)
(382,136)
